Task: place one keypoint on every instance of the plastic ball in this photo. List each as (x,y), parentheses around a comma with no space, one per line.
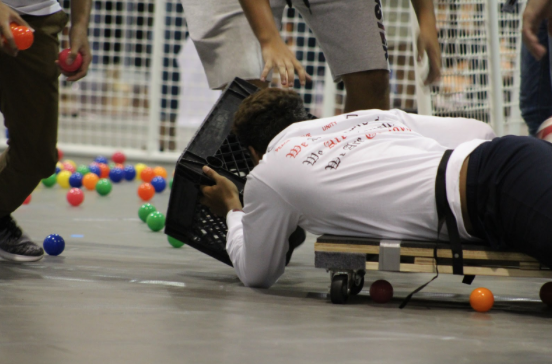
(129,172)
(101,159)
(60,154)
(481,299)
(175,242)
(147,174)
(76,180)
(90,180)
(381,291)
(71,163)
(63,179)
(145,210)
(59,165)
(75,196)
(53,244)
(50,181)
(156,221)
(146,191)
(120,166)
(104,170)
(139,167)
(27,200)
(95,168)
(170,183)
(104,186)
(23,36)
(160,171)
(82,169)
(158,183)
(111,165)
(62,58)
(69,167)
(118,157)
(545,293)
(116,175)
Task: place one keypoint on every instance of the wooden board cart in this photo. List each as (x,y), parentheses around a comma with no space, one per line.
(348,259)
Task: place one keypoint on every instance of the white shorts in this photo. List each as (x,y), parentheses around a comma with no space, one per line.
(224,41)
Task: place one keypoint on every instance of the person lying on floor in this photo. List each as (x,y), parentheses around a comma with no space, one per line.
(372,173)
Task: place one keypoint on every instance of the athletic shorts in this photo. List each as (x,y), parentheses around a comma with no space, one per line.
(509,195)
(350,33)
(224,41)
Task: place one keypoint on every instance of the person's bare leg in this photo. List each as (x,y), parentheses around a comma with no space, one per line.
(367,90)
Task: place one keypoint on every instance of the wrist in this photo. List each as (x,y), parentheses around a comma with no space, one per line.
(233,204)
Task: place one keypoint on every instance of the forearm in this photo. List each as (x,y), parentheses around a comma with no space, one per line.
(260,18)
(80,13)
(425,13)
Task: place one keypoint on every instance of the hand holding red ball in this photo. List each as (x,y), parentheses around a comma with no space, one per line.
(77,63)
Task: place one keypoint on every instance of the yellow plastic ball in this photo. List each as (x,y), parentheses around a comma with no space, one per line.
(71,162)
(139,167)
(60,166)
(63,179)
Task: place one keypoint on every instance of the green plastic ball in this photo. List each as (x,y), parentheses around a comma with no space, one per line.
(156,221)
(103,187)
(170,184)
(145,210)
(175,242)
(50,181)
(82,169)
(111,165)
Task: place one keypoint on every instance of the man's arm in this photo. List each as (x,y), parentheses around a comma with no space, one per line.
(276,54)
(449,132)
(78,38)
(535,12)
(427,39)
(257,239)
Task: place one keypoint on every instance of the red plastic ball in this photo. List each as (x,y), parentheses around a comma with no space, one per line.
(381,291)
(118,157)
(146,191)
(75,196)
(69,167)
(104,170)
(545,293)
(60,154)
(27,200)
(481,299)
(22,36)
(77,63)
(147,174)
(119,165)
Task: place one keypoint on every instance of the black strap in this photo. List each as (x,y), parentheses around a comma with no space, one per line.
(407,299)
(444,213)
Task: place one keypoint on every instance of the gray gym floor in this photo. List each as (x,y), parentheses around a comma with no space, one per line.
(120,293)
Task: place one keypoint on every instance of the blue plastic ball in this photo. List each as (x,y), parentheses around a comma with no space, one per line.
(54,244)
(76,180)
(95,169)
(101,159)
(58,170)
(158,183)
(7,134)
(116,174)
(129,172)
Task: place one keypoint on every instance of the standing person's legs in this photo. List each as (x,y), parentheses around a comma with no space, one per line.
(29,103)
(536,89)
(352,36)
(224,41)
(509,195)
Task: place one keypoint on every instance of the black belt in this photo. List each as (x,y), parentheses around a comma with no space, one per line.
(444,213)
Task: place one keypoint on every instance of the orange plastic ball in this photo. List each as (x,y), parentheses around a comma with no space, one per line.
(481,299)
(147,174)
(160,171)
(545,293)
(22,36)
(89,181)
(104,170)
(146,191)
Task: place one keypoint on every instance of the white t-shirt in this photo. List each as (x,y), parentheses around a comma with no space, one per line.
(34,7)
(368,174)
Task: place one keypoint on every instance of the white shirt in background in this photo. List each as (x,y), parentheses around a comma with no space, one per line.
(366,174)
(34,7)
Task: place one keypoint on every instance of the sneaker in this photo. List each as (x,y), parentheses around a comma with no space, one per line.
(16,246)
(295,239)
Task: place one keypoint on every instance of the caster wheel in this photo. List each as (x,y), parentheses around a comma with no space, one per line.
(338,290)
(358,283)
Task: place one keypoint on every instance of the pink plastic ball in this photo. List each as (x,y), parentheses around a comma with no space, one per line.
(77,63)
(75,196)
(69,167)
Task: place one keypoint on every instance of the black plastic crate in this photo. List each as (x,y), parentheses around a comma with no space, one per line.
(216,146)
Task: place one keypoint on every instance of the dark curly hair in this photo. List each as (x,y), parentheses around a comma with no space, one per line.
(266,113)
